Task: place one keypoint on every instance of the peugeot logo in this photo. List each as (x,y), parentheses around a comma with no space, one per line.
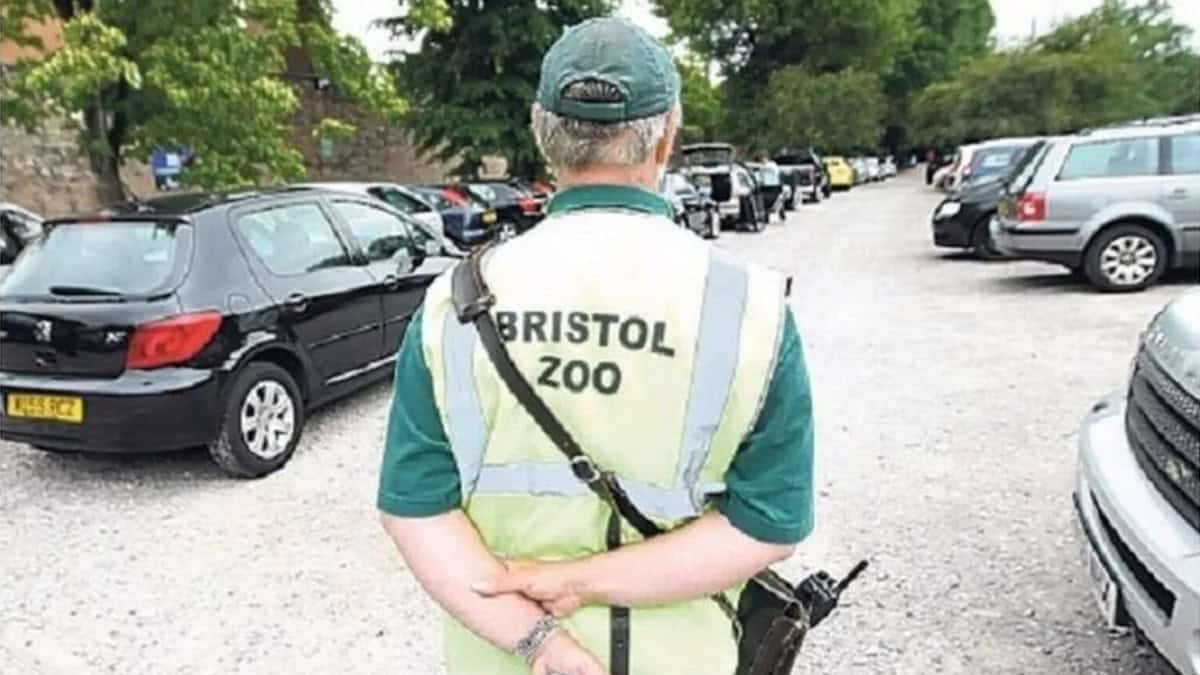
(42,331)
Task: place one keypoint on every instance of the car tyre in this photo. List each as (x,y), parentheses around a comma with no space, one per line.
(1125,258)
(981,241)
(262,422)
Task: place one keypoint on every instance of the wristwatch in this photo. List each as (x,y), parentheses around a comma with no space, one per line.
(529,646)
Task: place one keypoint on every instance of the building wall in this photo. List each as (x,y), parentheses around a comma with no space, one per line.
(49,32)
(46,171)
(378,151)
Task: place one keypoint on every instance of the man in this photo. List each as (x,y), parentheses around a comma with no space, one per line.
(678,370)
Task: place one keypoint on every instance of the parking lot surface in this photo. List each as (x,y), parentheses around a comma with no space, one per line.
(948,393)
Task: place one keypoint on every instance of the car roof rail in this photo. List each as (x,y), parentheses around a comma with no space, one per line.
(1158,121)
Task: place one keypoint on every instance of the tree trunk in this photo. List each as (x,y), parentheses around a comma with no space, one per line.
(104,159)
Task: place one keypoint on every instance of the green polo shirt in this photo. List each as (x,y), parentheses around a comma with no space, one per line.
(769,485)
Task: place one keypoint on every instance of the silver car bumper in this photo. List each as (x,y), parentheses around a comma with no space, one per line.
(1148,551)
(1038,241)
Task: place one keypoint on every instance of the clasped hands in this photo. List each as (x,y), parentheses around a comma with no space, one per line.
(560,589)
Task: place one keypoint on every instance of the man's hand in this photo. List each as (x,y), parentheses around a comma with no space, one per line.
(562,655)
(557,586)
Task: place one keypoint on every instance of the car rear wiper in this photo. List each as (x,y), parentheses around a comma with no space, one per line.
(84,290)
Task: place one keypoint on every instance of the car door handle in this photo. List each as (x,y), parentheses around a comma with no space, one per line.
(392,281)
(296,302)
(1179,193)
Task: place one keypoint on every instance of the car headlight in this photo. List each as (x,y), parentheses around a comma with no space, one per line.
(948,209)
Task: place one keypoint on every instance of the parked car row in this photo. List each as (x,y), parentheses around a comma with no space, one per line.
(1118,206)
(746,195)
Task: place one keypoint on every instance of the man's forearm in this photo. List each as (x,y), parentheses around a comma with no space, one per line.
(704,557)
(446,555)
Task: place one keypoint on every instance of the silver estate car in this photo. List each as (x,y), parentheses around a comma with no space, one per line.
(1137,495)
(1118,206)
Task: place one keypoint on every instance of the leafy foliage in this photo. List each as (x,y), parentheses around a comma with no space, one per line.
(1116,63)
(472,83)
(754,40)
(199,75)
(701,99)
(843,110)
(945,34)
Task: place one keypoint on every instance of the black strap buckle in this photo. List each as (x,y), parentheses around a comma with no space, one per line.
(585,470)
(476,308)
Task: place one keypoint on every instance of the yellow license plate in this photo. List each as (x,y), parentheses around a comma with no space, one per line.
(44,407)
(489,217)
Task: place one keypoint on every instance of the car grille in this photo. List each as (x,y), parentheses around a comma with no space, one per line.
(1163,424)
(1162,597)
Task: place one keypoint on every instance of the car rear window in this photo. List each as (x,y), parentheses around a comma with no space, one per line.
(101,260)
(493,192)
(995,160)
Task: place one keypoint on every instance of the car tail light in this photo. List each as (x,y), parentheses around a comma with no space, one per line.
(454,197)
(528,205)
(172,340)
(1031,206)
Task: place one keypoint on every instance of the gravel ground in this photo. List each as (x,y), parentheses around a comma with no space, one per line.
(948,394)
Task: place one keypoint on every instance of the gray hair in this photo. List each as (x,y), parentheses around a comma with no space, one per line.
(572,143)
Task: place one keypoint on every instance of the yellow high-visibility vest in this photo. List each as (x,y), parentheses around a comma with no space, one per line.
(655,350)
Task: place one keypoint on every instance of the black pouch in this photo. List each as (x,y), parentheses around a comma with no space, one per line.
(774,623)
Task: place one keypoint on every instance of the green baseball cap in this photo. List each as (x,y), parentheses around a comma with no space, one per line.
(616,51)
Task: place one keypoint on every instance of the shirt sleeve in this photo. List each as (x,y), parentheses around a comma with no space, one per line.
(769,486)
(419,477)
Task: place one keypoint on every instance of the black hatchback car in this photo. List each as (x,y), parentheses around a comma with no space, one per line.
(205,320)
(962,220)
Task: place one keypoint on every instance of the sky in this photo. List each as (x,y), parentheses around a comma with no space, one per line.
(1015,19)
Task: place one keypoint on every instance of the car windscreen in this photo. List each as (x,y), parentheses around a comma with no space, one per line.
(990,161)
(105,260)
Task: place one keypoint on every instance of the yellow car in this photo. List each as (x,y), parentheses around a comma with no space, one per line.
(841,176)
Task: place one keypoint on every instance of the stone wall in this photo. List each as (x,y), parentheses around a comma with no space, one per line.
(47,172)
(378,151)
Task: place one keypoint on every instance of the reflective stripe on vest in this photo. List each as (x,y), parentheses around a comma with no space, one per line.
(713,370)
(467,430)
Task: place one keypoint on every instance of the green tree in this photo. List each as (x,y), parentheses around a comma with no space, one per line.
(1116,63)
(198,75)
(752,39)
(471,83)
(945,34)
(703,109)
(841,111)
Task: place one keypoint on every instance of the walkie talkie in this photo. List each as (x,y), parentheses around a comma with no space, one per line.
(820,592)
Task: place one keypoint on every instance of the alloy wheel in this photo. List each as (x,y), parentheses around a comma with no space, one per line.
(268,419)
(1128,260)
